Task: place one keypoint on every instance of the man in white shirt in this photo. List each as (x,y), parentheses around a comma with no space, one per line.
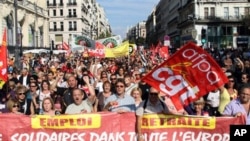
(79,106)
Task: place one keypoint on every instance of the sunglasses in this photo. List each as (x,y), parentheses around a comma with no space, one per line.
(14,106)
(112,78)
(153,94)
(119,86)
(32,86)
(21,93)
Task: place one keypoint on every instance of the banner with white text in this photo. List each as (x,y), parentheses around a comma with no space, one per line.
(114,127)
(187,75)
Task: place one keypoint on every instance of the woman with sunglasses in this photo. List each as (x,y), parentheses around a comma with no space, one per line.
(26,106)
(13,106)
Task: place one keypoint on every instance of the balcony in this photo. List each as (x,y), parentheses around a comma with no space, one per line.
(56,29)
(220,19)
(72,16)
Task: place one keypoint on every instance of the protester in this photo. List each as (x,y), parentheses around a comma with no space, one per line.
(44,92)
(26,106)
(136,93)
(120,102)
(241,105)
(24,78)
(151,105)
(144,87)
(129,84)
(48,106)
(80,106)
(13,106)
(113,79)
(199,108)
(102,96)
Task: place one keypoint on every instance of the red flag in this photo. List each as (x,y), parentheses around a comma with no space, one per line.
(187,75)
(163,52)
(3,58)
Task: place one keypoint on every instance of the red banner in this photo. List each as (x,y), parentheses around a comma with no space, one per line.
(187,75)
(3,58)
(113,127)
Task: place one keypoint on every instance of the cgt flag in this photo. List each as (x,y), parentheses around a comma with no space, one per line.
(187,75)
(3,59)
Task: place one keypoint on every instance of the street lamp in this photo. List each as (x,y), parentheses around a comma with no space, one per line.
(17,64)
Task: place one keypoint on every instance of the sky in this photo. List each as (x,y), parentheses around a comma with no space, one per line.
(123,14)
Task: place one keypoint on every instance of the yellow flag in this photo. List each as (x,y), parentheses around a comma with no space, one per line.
(119,51)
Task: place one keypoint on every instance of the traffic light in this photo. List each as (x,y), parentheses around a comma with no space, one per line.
(203,36)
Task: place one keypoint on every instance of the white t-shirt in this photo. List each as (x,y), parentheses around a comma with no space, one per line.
(76,109)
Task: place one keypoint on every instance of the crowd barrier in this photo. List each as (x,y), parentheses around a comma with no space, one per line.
(109,126)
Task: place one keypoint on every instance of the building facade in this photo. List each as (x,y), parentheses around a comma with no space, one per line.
(210,23)
(75,17)
(26,22)
(137,31)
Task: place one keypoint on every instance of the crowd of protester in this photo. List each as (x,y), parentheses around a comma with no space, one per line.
(58,84)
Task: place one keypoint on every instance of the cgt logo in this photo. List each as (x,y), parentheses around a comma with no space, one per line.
(238,132)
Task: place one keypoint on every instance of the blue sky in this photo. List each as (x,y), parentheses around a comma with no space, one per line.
(126,13)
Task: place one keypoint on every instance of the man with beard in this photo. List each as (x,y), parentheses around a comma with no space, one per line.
(81,106)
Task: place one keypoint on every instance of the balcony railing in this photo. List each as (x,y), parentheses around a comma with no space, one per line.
(56,29)
(72,16)
(223,18)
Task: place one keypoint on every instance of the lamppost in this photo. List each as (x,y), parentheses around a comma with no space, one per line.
(17,55)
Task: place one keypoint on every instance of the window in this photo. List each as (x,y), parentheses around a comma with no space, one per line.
(212,10)
(70,12)
(205,12)
(54,25)
(247,10)
(58,37)
(74,12)
(236,12)
(70,25)
(61,24)
(54,2)
(61,12)
(226,13)
(54,12)
(75,25)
